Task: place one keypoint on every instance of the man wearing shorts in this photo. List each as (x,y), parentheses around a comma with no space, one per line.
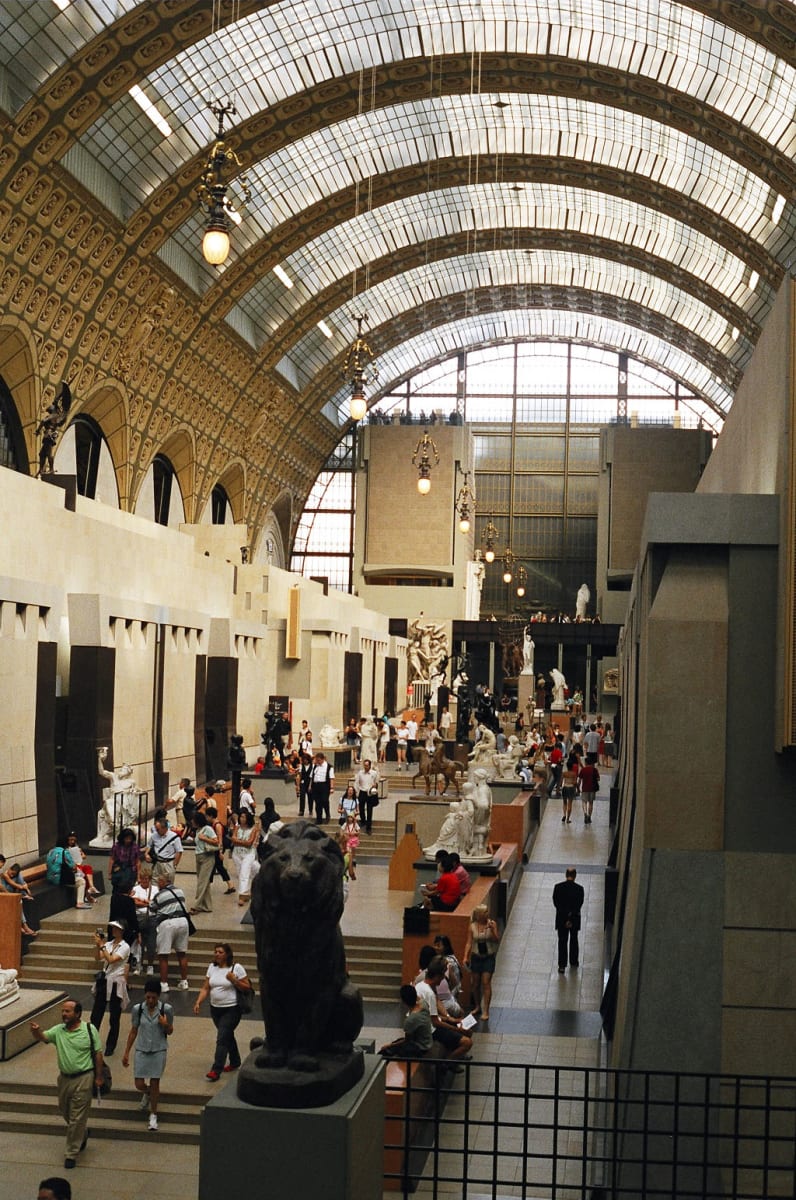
(446,1031)
(171,917)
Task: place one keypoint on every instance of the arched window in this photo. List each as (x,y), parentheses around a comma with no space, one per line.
(219,505)
(162,478)
(88,444)
(12,442)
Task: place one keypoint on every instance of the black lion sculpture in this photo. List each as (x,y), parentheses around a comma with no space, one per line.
(312,1012)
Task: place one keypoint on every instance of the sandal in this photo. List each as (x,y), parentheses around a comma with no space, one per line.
(228,891)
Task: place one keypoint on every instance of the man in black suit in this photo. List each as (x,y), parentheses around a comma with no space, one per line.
(568,900)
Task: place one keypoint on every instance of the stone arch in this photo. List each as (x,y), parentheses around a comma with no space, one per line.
(270,547)
(180,451)
(106,404)
(233,481)
(18,367)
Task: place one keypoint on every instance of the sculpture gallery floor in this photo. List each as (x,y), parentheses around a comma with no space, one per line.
(537,1016)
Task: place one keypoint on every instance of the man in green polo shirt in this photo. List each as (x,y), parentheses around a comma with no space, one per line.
(77,1074)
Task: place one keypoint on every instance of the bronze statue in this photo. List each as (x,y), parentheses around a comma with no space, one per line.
(50,427)
(312,1012)
(431,766)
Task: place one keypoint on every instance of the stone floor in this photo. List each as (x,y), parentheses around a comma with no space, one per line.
(537,1017)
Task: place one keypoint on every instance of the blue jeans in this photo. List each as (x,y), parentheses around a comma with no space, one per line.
(226,1021)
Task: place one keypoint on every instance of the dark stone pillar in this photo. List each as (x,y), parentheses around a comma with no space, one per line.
(221,704)
(44,746)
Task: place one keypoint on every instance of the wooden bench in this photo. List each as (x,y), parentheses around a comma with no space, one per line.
(412,1091)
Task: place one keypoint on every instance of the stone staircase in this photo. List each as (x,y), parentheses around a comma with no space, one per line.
(63,957)
(33,1108)
(380,844)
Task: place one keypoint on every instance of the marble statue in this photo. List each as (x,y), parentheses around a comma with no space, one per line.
(482,753)
(331,736)
(312,1012)
(506,763)
(466,826)
(455,833)
(428,646)
(559,687)
(122,784)
(482,800)
(368,746)
(9,987)
(528,648)
(582,601)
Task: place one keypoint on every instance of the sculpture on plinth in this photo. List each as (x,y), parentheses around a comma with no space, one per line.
(528,648)
(428,646)
(121,796)
(456,831)
(582,601)
(559,691)
(9,986)
(506,764)
(484,750)
(51,425)
(311,1010)
(482,817)
(466,826)
(331,736)
(368,735)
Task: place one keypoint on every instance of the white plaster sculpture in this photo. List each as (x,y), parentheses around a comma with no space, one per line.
(507,763)
(368,734)
(559,686)
(482,799)
(582,601)
(9,987)
(466,826)
(484,750)
(331,736)
(122,783)
(428,646)
(528,648)
(455,832)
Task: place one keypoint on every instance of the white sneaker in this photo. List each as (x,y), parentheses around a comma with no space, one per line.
(182,985)
(153,1123)
(164,987)
(144,1105)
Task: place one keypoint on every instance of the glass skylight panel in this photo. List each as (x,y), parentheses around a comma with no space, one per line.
(306,171)
(402,294)
(367,238)
(36,38)
(232,58)
(446,341)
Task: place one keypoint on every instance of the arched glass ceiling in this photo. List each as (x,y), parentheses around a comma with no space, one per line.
(475,212)
(305,44)
(485,329)
(412,289)
(312,168)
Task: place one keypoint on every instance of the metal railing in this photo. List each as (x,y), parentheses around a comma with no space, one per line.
(562,1133)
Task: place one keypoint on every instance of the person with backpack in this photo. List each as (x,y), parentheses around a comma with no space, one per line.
(152,1025)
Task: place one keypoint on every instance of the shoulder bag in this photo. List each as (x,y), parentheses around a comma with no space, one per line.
(107,1079)
(183,912)
(245,999)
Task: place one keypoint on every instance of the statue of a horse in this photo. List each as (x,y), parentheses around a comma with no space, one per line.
(432,766)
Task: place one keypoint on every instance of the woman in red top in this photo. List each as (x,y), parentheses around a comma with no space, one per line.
(445,894)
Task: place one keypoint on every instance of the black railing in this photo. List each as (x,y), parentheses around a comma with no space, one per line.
(563,1133)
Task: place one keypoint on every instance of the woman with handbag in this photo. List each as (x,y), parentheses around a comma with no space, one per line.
(152,1025)
(366,782)
(110,984)
(224,982)
(125,857)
